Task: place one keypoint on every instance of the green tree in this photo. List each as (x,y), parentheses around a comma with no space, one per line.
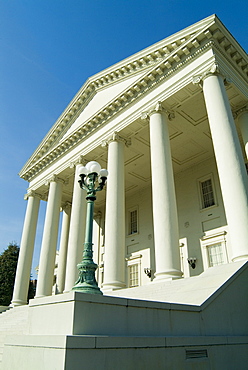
(8,264)
(31,290)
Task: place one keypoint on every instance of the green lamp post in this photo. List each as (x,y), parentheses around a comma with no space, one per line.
(90,176)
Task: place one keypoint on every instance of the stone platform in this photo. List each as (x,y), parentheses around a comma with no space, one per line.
(77,330)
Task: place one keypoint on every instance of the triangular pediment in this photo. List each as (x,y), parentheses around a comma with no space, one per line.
(107,91)
(101,98)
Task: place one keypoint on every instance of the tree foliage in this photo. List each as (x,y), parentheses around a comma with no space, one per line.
(8,264)
(31,290)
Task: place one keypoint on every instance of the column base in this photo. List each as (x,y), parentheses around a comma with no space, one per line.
(42,296)
(240,258)
(18,302)
(167,275)
(109,287)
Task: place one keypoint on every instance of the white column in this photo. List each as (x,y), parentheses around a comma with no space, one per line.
(76,233)
(49,241)
(63,247)
(26,251)
(165,221)
(230,163)
(114,256)
(243,124)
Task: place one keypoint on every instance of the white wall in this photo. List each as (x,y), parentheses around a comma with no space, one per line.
(194,222)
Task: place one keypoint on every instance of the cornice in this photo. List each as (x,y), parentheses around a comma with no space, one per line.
(158,65)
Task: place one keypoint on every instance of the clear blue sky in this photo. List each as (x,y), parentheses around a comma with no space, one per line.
(48,50)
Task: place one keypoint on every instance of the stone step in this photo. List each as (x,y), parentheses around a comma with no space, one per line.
(14,319)
(12,322)
(194,290)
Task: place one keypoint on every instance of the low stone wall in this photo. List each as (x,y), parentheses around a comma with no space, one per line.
(122,353)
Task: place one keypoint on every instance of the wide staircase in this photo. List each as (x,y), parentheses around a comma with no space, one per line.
(193,291)
(14,321)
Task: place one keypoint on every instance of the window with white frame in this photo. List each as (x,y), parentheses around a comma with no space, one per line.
(133,270)
(133,221)
(214,248)
(207,192)
(215,254)
(134,275)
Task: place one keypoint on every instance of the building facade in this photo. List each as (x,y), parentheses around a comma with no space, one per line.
(170,124)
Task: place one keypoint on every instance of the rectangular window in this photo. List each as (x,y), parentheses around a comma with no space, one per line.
(215,255)
(133,222)
(133,275)
(207,193)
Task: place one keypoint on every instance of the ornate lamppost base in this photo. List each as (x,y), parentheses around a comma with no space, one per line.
(87,288)
(86,282)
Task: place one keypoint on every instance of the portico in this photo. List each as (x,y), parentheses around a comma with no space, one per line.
(162,123)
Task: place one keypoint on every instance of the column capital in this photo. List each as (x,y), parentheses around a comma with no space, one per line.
(32,193)
(79,160)
(54,178)
(97,214)
(158,108)
(66,206)
(213,70)
(116,137)
(238,112)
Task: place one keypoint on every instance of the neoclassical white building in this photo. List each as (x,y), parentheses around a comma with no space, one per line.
(170,124)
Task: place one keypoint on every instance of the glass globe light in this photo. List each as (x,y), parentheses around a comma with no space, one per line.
(93,166)
(82,171)
(89,164)
(103,173)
